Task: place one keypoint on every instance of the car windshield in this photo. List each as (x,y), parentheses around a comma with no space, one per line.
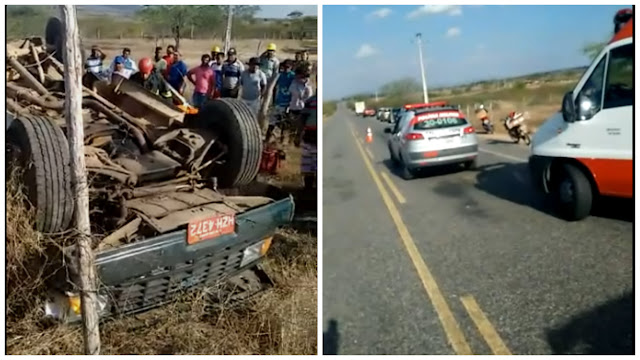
(439,123)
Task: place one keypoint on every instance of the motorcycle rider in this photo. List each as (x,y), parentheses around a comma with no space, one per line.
(483,115)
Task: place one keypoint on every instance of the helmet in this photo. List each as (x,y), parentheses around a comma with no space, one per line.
(512,114)
(215,49)
(271,47)
(145,65)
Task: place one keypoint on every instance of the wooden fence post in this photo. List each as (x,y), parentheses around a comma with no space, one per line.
(75,133)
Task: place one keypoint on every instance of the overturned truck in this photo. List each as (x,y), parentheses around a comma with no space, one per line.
(173,198)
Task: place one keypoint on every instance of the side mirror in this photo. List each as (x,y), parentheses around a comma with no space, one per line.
(569,108)
(387,130)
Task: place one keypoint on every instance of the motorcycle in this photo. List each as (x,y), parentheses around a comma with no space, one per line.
(487,125)
(516,128)
(483,115)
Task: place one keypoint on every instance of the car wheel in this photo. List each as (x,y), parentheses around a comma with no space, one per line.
(394,160)
(406,172)
(573,194)
(471,164)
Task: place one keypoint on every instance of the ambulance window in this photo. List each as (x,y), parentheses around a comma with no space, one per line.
(619,88)
(590,97)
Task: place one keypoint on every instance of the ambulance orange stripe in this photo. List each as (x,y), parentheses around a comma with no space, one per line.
(614,177)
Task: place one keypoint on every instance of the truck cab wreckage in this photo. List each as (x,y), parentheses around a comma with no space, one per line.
(172,190)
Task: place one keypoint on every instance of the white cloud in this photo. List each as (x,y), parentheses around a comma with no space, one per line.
(453,10)
(353,8)
(453,32)
(366,50)
(380,13)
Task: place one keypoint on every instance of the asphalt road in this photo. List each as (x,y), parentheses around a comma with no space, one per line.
(464,261)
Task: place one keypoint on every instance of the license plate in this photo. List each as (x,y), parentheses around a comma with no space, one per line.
(210,228)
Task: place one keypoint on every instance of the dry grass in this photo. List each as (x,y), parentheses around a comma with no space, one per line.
(281,320)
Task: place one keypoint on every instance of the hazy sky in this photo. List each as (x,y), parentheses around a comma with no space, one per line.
(365,47)
(280,11)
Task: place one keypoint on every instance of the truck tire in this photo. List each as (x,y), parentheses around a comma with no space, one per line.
(237,127)
(40,148)
(573,193)
(54,37)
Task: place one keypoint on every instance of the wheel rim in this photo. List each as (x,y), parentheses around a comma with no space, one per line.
(566,191)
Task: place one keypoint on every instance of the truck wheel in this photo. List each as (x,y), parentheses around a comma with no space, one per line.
(54,36)
(573,194)
(237,128)
(38,146)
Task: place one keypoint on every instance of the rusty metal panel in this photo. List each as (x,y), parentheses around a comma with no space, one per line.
(164,204)
(169,211)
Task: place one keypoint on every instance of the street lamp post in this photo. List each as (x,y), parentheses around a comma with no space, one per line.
(424,77)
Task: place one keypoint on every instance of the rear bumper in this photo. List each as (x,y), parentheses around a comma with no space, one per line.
(147,274)
(442,157)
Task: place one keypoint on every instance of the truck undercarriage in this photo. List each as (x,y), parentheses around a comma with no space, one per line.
(158,173)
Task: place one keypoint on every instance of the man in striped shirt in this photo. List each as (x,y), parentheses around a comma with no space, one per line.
(94,62)
(232,69)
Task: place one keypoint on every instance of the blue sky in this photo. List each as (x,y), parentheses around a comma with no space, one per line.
(280,11)
(365,47)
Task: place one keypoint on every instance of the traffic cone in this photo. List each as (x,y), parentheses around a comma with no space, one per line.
(369,138)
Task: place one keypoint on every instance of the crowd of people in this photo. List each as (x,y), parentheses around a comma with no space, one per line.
(221,75)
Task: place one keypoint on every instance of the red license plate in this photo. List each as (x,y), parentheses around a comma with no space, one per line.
(209,228)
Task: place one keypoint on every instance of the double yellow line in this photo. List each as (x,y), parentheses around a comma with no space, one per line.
(451,327)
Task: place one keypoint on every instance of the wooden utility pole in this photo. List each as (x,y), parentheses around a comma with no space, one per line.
(263,114)
(75,134)
(227,33)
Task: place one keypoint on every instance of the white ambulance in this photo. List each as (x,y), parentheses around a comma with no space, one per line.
(586,150)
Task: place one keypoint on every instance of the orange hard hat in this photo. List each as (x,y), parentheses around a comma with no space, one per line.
(145,65)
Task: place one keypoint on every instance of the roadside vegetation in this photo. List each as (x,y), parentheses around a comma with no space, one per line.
(538,95)
(328,108)
(163,21)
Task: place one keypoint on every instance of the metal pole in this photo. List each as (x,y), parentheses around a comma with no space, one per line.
(227,35)
(75,134)
(424,78)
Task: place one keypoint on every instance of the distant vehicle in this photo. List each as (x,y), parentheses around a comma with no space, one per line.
(431,135)
(586,150)
(369,112)
(395,114)
(359,107)
(384,114)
